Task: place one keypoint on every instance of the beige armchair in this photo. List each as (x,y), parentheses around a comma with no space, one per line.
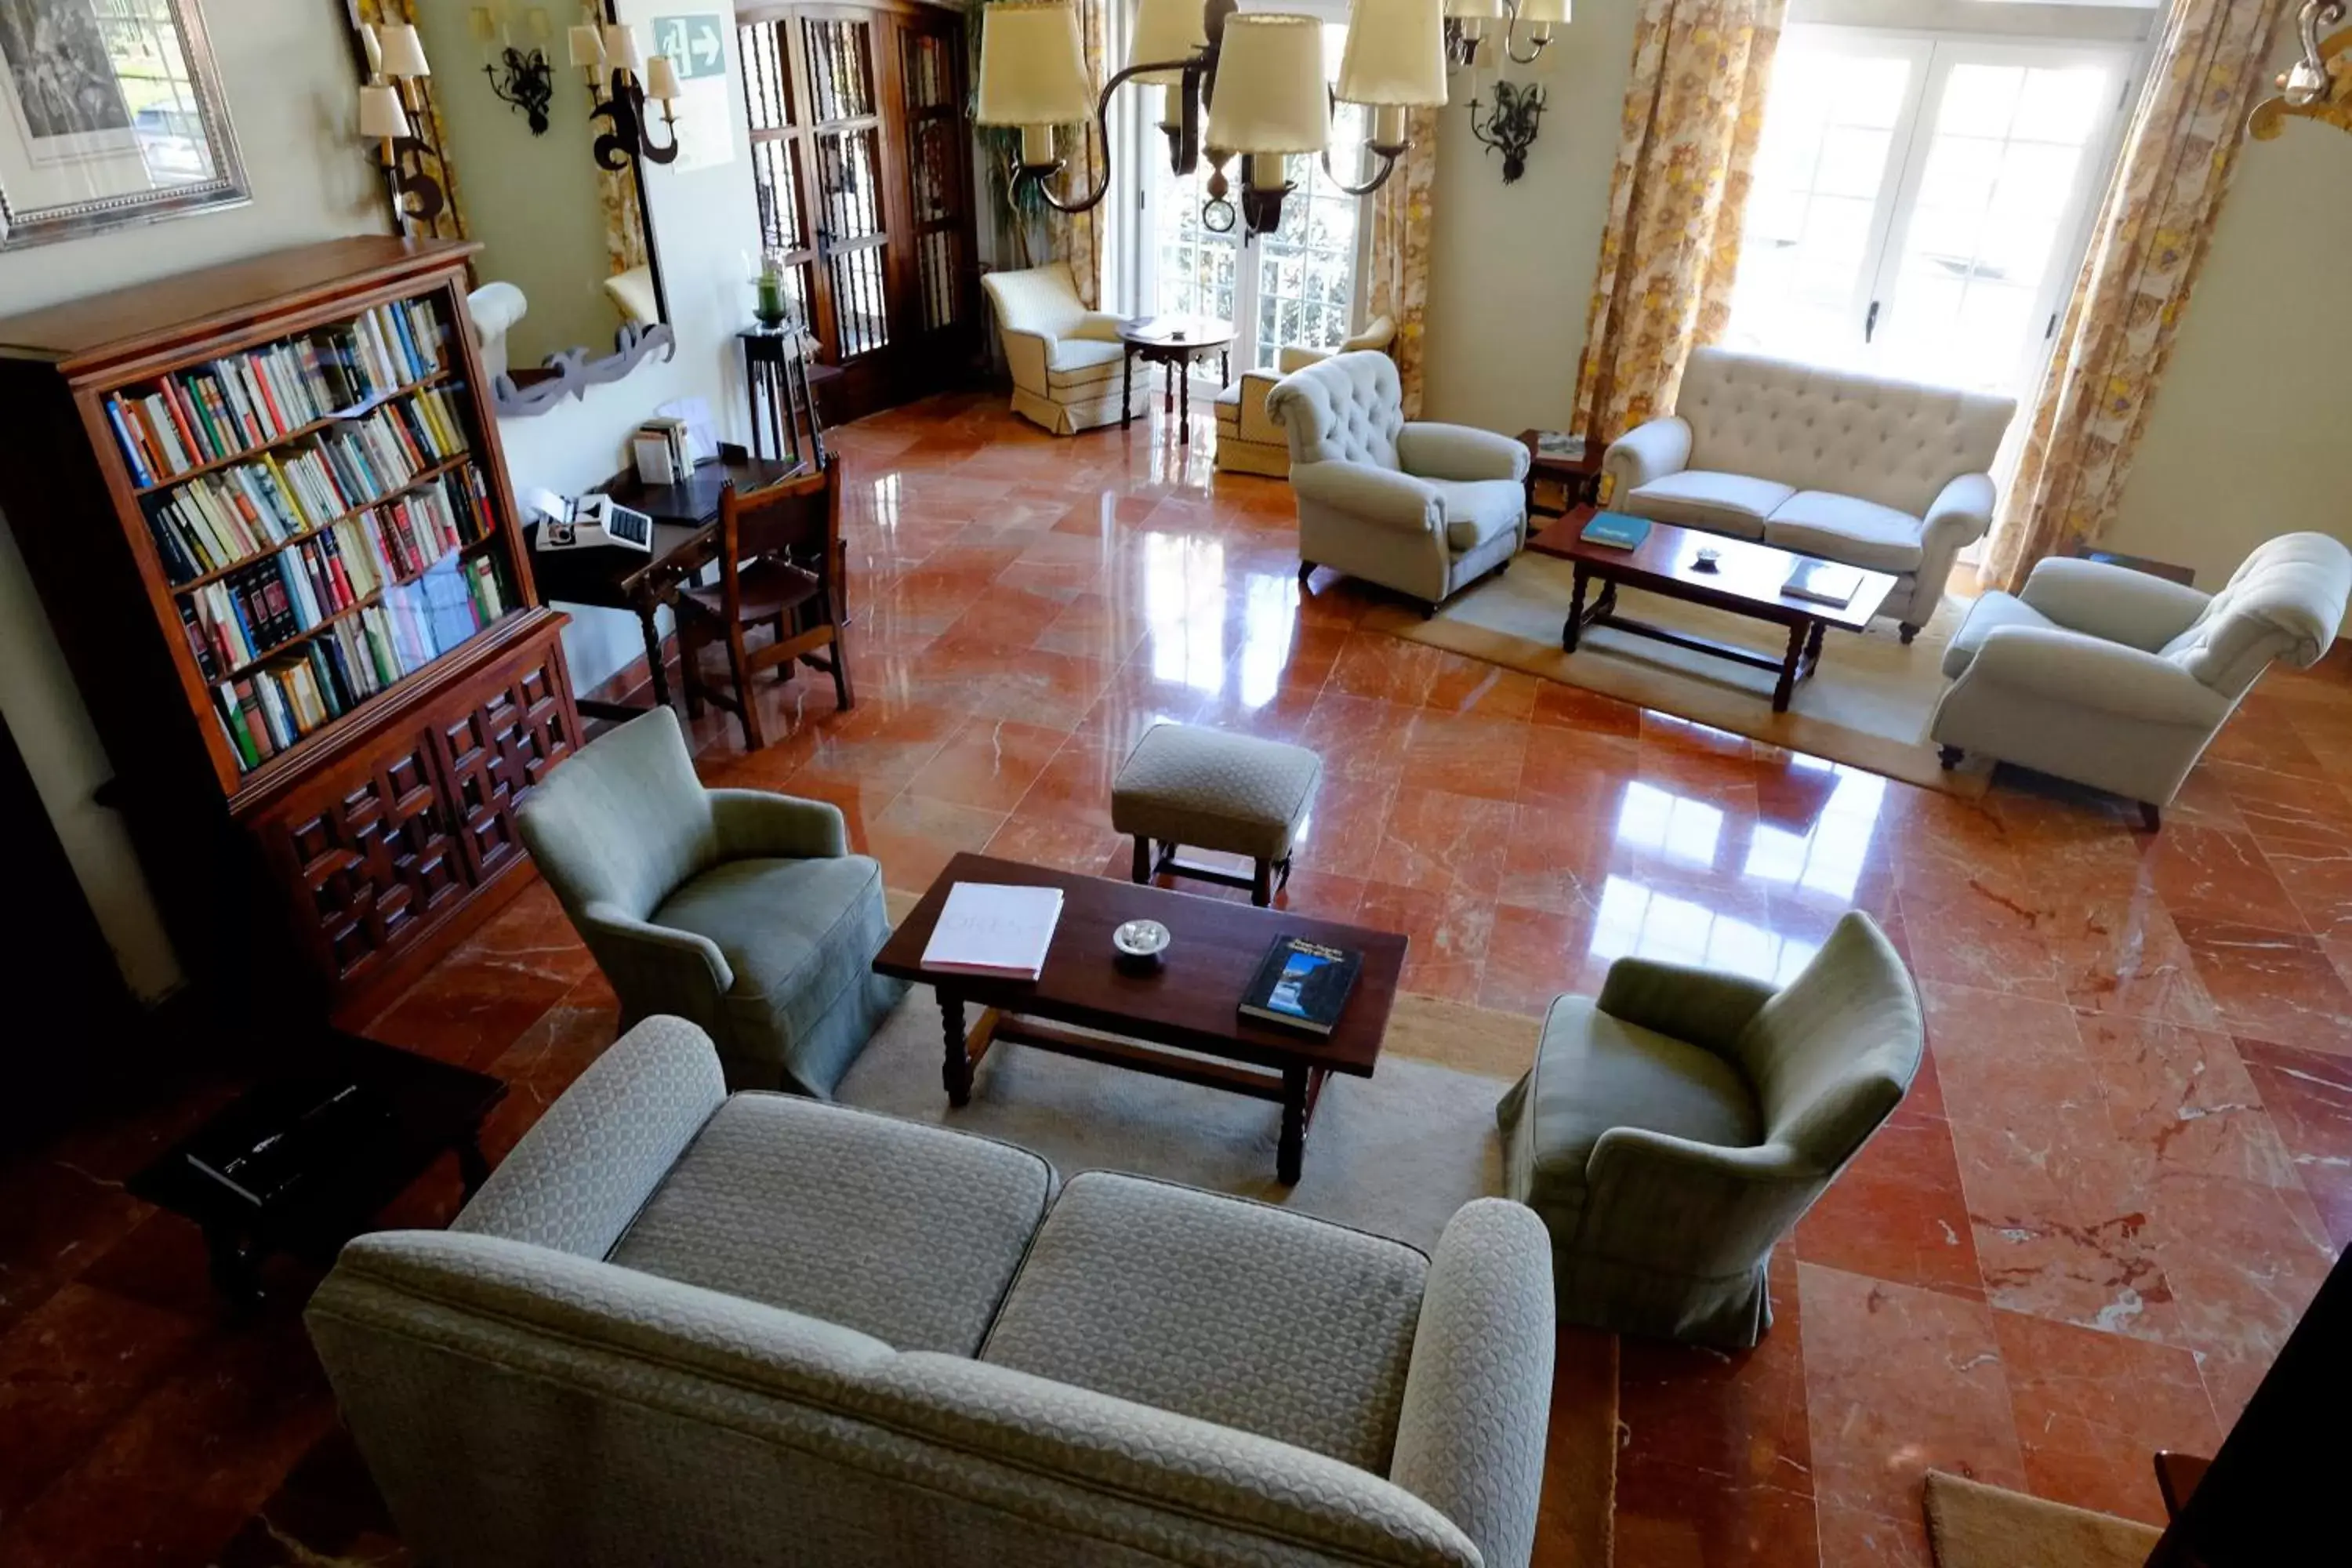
(1248,440)
(1065,359)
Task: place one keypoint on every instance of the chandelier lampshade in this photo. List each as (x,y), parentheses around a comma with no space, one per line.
(661,80)
(622,50)
(382,118)
(1033,70)
(403,51)
(1270,96)
(1166,30)
(587,47)
(1395,54)
(1541,16)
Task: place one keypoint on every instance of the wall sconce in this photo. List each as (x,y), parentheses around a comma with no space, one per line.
(396,57)
(524,80)
(1510,129)
(1466,28)
(612,51)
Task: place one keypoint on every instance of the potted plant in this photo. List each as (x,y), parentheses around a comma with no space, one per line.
(768,296)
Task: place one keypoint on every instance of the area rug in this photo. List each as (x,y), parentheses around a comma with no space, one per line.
(1971,1525)
(1867,703)
(1396,1154)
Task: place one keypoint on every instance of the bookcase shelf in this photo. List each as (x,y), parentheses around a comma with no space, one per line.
(309,877)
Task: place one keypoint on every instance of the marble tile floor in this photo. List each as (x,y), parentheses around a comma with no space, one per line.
(2125,1171)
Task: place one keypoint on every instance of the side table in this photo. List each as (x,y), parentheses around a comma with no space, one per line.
(782,403)
(1580,476)
(1174,342)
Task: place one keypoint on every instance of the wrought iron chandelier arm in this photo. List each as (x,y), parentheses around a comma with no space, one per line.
(1387,158)
(1516,59)
(1191,67)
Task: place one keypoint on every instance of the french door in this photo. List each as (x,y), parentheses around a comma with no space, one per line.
(865,191)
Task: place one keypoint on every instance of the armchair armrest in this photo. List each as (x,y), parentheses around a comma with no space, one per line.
(1960,514)
(758,822)
(1477,1394)
(1375,495)
(686,972)
(1100,325)
(585,1168)
(1704,1006)
(1437,452)
(1644,453)
(2089,672)
(1658,1201)
(2112,601)
(1292,357)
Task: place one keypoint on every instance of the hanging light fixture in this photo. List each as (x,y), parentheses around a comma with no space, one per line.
(1259,76)
(2308,80)
(1466,28)
(1539,18)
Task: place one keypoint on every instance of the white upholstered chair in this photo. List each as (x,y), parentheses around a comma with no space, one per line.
(633,294)
(1890,476)
(2118,679)
(1065,359)
(1248,440)
(1423,508)
(494,309)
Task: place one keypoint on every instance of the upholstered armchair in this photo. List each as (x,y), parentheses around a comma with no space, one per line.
(1065,359)
(740,910)
(1676,1127)
(1420,507)
(494,309)
(2118,679)
(1886,475)
(1248,440)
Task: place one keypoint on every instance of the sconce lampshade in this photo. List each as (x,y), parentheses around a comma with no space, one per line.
(1477,10)
(1270,96)
(404,51)
(587,46)
(1166,30)
(1395,54)
(1561,12)
(381,116)
(1033,70)
(622,51)
(661,80)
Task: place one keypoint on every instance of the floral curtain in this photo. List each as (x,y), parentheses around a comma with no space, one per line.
(1399,284)
(2144,259)
(1077,238)
(1686,147)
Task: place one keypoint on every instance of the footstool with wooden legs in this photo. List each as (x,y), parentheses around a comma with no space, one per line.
(1213,790)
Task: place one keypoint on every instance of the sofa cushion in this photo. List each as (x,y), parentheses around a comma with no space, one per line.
(793,931)
(1846,529)
(1479,510)
(905,1232)
(1215,1307)
(1082,362)
(1987,615)
(1595,1072)
(1735,504)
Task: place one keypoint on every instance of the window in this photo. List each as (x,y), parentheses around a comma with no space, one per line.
(1294,287)
(1921,203)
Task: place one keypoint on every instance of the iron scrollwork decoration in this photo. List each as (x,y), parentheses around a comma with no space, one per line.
(572,372)
(524,80)
(631,135)
(1510,128)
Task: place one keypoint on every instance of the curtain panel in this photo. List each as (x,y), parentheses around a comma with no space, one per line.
(1077,238)
(1398,287)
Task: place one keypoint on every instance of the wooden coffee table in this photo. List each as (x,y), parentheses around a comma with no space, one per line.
(1174,342)
(1191,1002)
(1746,582)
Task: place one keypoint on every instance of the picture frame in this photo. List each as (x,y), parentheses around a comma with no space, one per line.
(111,115)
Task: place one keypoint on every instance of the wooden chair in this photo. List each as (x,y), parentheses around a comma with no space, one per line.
(781,565)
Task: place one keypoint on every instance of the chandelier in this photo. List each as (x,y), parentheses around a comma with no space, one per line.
(2309,81)
(1255,77)
(1466,27)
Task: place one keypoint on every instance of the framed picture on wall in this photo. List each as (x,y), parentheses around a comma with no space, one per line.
(110,114)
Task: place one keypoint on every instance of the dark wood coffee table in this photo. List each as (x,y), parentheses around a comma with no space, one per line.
(1746,582)
(1174,342)
(1190,1002)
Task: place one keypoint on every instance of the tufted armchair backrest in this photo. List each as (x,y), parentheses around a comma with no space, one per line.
(1346,409)
(1041,299)
(1893,442)
(2285,601)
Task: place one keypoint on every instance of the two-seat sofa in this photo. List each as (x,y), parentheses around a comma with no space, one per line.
(676,1327)
(1886,475)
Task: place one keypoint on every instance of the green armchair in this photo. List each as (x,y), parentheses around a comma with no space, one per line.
(1674,1129)
(740,910)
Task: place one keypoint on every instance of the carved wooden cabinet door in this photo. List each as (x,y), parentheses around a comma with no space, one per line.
(495,742)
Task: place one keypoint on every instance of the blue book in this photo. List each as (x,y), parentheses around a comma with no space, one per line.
(1615,530)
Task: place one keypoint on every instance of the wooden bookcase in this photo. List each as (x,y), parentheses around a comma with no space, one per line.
(379,828)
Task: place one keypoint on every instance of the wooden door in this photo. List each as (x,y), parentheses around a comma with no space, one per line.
(942,324)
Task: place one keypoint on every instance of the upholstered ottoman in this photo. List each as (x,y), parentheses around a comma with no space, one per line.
(1213,790)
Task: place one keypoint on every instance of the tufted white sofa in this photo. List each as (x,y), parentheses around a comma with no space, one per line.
(1065,359)
(1423,508)
(1886,475)
(2118,679)
(678,1326)
(1248,440)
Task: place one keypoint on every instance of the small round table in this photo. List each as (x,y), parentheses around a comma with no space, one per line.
(1174,341)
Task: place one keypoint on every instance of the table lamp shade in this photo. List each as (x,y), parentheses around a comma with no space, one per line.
(1270,96)
(381,116)
(587,46)
(1033,70)
(622,51)
(1546,11)
(1166,30)
(1395,54)
(661,80)
(403,51)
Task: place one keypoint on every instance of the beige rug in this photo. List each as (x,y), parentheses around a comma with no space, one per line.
(1972,1525)
(1867,703)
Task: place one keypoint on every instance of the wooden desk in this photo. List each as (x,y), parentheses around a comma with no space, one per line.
(686,538)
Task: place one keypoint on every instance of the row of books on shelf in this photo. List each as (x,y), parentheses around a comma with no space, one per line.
(235,404)
(270,708)
(218,520)
(233,619)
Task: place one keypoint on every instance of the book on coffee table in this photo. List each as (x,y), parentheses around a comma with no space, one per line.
(1302,985)
(995,929)
(1823,582)
(1615,530)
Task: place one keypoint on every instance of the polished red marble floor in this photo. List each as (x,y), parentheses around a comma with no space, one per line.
(2082,1238)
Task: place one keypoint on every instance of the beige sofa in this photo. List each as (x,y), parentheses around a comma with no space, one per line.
(1248,440)
(1066,361)
(676,1327)
(1886,475)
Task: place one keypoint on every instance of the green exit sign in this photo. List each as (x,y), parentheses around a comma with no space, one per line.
(695,44)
